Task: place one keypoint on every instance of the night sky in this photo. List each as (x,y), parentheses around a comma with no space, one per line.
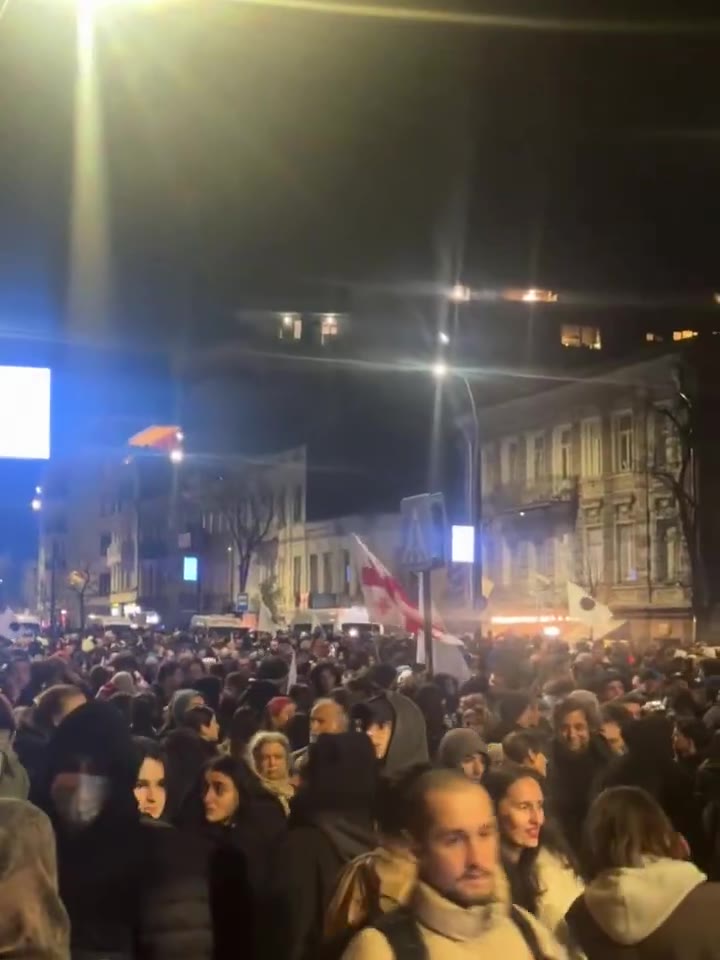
(251,152)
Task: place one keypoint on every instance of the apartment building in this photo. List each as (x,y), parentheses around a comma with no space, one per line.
(571,491)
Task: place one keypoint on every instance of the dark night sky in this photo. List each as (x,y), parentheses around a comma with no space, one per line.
(253,151)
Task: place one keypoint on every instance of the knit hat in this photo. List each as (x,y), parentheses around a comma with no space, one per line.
(458,744)
(276,706)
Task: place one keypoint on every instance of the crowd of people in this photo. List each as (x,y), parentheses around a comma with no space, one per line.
(318,798)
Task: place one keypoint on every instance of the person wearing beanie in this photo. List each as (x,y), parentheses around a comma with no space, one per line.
(130,889)
(463,749)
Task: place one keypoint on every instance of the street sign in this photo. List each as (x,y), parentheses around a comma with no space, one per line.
(242,603)
(423,532)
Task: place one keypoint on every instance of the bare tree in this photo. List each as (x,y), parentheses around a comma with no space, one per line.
(80,582)
(678,473)
(242,495)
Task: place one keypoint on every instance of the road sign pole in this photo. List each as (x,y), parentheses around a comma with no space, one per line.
(425,578)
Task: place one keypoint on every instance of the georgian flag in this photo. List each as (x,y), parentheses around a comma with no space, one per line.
(388,604)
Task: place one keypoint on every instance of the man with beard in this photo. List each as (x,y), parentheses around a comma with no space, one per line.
(578,756)
(457,909)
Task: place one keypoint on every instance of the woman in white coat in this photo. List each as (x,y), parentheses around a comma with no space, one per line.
(541,871)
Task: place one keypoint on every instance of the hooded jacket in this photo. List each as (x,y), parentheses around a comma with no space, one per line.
(129,888)
(458,744)
(408,745)
(572,784)
(330,825)
(662,910)
(33,922)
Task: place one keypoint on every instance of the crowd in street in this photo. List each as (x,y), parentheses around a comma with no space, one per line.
(317,798)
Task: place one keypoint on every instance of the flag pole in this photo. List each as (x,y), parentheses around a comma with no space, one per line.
(427,619)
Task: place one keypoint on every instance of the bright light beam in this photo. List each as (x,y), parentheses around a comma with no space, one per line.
(89,243)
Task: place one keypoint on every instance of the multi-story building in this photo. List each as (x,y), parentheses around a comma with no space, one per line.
(572,490)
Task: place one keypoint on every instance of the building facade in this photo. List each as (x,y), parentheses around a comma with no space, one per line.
(573,490)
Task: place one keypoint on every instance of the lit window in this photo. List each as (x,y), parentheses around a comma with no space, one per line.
(328,326)
(576,336)
(653,338)
(290,326)
(684,334)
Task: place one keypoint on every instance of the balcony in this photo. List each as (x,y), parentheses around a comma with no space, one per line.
(556,495)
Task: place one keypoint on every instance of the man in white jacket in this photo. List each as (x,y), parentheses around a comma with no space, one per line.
(458,909)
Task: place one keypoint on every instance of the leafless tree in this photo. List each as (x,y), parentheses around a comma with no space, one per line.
(81,583)
(241,494)
(678,473)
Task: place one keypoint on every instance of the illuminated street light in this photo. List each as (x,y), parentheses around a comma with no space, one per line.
(460,293)
(176,455)
(179,436)
(38,490)
(36,504)
(443,338)
(440,370)
(287,319)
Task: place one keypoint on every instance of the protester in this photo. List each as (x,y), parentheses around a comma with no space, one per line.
(649,764)
(268,756)
(614,719)
(383,879)
(540,868)
(526,747)
(244,825)
(331,823)
(578,755)
(33,921)
(14,780)
(643,899)
(279,713)
(128,890)
(464,750)
(37,725)
(454,910)
(180,702)
(326,716)
(396,729)
(517,710)
(150,787)
(691,738)
(203,722)
(271,681)
(15,678)
(168,681)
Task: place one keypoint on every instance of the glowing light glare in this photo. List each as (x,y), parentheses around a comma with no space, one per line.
(529,618)
(38,490)
(534,295)
(443,338)
(287,319)
(36,504)
(462,544)
(460,293)
(551,631)
(179,436)
(177,455)
(440,370)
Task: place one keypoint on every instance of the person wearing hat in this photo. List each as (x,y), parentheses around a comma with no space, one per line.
(464,750)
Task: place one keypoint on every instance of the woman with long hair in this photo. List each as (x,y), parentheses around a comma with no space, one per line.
(540,869)
(643,899)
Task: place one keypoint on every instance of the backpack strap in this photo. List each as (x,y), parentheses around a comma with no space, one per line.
(528,933)
(402,933)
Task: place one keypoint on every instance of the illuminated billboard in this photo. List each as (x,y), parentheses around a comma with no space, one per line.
(25,413)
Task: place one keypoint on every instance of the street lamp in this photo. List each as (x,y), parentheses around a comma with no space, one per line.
(473,476)
(177,455)
(36,504)
(443,338)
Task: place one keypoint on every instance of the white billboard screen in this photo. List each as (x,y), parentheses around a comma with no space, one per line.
(24,413)
(463,544)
